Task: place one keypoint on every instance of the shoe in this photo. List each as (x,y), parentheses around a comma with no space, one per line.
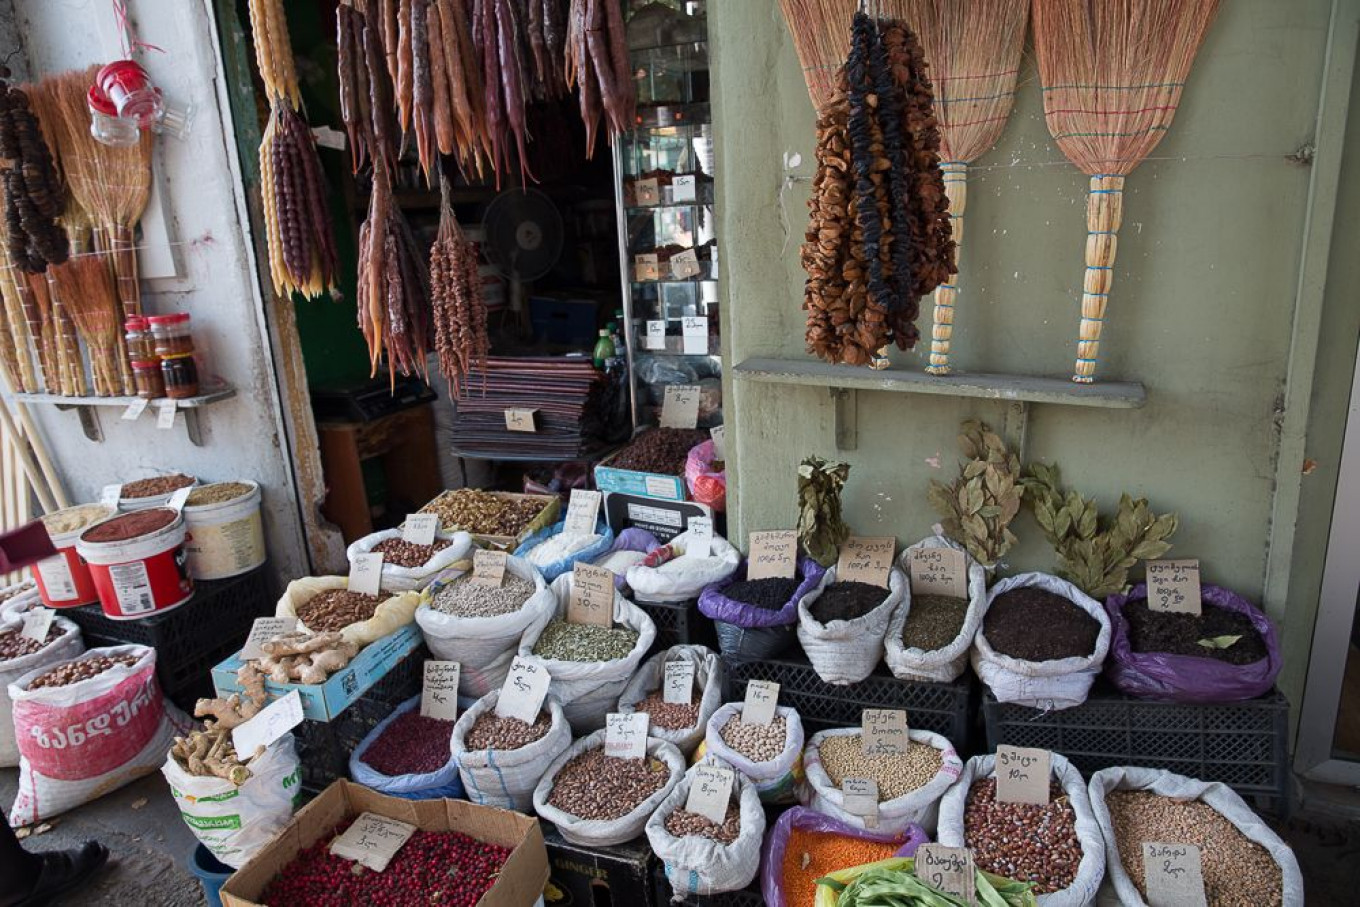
(64,871)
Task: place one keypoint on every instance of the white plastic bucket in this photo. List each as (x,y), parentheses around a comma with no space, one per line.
(128,505)
(140,576)
(225,539)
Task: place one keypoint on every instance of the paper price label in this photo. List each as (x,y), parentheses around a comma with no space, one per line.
(592,596)
(685,265)
(373,840)
(680,406)
(488,567)
(365,574)
(719,435)
(521,420)
(1173,875)
(677,686)
(647,266)
(263,630)
(648,191)
(36,624)
(179,498)
(625,736)
(866,560)
(439,693)
(523,691)
(860,798)
(948,869)
(762,697)
(1173,586)
(884,732)
(135,409)
(699,541)
(275,720)
(694,334)
(1022,775)
(655,338)
(110,495)
(710,792)
(772,554)
(684,189)
(583,511)
(420,528)
(938,571)
(165,414)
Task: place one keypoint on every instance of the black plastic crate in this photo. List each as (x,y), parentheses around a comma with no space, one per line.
(619,875)
(679,623)
(749,896)
(1241,744)
(945,708)
(193,638)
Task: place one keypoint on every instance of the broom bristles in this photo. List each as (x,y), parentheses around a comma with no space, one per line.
(821,37)
(85,285)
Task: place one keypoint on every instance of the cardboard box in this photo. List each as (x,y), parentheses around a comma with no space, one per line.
(521,881)
(581,876)
(552,507)
(663,519)
(323,701)
(643,484)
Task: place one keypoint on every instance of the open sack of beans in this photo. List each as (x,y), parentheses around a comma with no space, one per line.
(1041,643)
(408,755)
(842,625)
(804,845)
(501,760)
(554,551)
(1229,652)
(1058,847)
(1244,862)
(630,547)
(758,618)
(480,626)
(589,665)
(684,576)
(596,800)
(910,784)
(682,724)
(706,477)
(407,567)
(929,636)
(19,656)
(88,726)
(324,604)
(17,600)
(700,856)
(770,755)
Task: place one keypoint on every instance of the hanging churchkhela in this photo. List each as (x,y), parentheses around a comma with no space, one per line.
(456,303)
(598,66)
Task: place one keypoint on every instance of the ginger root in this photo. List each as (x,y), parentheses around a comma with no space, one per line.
(305,657)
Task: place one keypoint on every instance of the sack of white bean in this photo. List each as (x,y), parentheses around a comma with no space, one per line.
(947,662)
(770,755)
(1244,862)
(501,760)
(910,785)
(682,578)
(19,656)
(847,651)
(677,723)
(398,573)
(701,857)
(1058,846)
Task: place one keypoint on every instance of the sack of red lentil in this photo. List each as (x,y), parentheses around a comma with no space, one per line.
(505,775)
(683,578)
(670,722)
(702,858)
(1245,862)
(773,763)
(235,821)
(909,786)
(847,651)
(625,816)
(393,612)
(943,663)
(1058,683)
(63,642)
(398,578)
(751,631)
(82,739)
(804,845)
(554,553)
(415,739)
(1075,883)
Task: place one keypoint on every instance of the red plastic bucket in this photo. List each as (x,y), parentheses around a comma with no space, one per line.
(138,563)
(64,581)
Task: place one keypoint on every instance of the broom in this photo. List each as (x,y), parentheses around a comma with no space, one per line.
(85,283)
(821,38)
(1113,72)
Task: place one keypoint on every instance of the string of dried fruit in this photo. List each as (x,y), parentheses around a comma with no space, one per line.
(393,292)
(456,302)
(597,64)
(353,77)
(273,52)
(463,78)
(33,194)
(869,164)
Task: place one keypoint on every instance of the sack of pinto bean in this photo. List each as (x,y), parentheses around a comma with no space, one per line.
(758,618)
(324,604)
(596,800)
(770,755)
(684,577)
(408,755)
(682,724)
(1041,643)
(910,784)
(480,626)
(804,845)
(1243,860)
(930,635)
(1059,846)
(19,656)
(701,856)
(501,760)
(554,551)
(841,625)
(407,567)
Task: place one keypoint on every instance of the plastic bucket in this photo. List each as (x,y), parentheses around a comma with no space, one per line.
(139,576)
(211,872)
(64,581)
(225,539)
(128,505)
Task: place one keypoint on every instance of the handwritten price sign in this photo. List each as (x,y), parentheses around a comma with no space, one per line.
(884,732)
(522,694)
(938,571)
(1022,775)
(1173,586)
(773,554)
(1173,875)
(866,560)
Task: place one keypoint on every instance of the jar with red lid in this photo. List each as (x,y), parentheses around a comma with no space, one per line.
(180,373)
(149,379)
(140,346)
(171,334)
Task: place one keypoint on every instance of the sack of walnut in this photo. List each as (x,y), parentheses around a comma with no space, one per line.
(845,651)
(703,858)
(20,656)
(408,567)
(359,619)
(682,725)
(946,663)
(501,760)
(771,756)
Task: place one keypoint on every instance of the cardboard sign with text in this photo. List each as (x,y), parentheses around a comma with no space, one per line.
(372,840)
(1173,586)
(772,554)
(420,528)
(592,596)
(524,689)
(883,732)
(710,792)
(680,406)
(583,512)
(488,567)
(625,735)
(866,560)
(948,869)
(859,797)
(439,693)
(938,571)
(365,574)
(678,683)
(521,420)
(762,698)
(1022,775)
(1173,875)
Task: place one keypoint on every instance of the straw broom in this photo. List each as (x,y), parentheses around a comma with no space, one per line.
(1113,72)
(85,283)
(821,38)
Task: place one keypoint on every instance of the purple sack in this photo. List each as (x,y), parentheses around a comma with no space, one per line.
(634,538)
(714,604)
(1187,678)
(777,839)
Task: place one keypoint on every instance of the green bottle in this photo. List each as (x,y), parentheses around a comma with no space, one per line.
(604,349)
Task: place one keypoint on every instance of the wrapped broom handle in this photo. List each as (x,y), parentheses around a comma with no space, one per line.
(1104,213)
(942,330)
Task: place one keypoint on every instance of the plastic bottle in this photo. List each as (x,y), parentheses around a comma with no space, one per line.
(604,349)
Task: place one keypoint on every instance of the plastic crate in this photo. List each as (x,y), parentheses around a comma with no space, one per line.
(747,897)
(192,638)
(1241,744)
(944,708)
(679,623)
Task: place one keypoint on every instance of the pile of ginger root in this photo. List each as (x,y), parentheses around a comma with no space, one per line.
(303,657)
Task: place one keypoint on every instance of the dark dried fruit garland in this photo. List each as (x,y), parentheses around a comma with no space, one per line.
(33,194)
(456,301)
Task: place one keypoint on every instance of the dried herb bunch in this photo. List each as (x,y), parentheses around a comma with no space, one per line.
(821,530)
(456,301)
(1095,554)
(33,194)
(977,508)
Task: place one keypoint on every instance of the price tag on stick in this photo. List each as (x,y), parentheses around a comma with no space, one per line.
(521,420)
(420,528)
(488,567)
(1022,775)
(710,792)
(938,571)
(625,736)
(263,630)
(373,840)
(135,409)
(678,683)
(523,691)
(165,415)
(680,406)
(273,721)
(948,869)
(772,554)
(365,574)
(1173,875)
(884,732)
(1173,586)
(866,560)
(439,694)
(860,798)
(762,697)
(36,624)
(592,596)
(583,511)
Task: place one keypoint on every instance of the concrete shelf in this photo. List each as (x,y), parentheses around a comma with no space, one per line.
(88,408)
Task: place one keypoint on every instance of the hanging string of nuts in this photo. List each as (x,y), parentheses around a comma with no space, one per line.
(33,193)
(456,302)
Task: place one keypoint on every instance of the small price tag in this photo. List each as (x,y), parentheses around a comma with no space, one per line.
(1174,586)
(694,335)
(648,192)
(592,596)
(523,691)
(36,624)
(685,265)
(583,512)
(683,189)
(647,266)
(719,435)
(439,694)
(165,413)
(373,840)
(709,792)
(655,338)
(420,528)
(860,798)
(884,732)
(263,630)
(772,554)
(1022,775)
(488,567)
(680,406)
(365,574)
(179,498)
(948,869)
(938,571)
(625,736)
(762,696)
(110,495)
(521,420)
(1173,875)
(677,687)
(135,409)
(275,720)
(699,537)
(866,560)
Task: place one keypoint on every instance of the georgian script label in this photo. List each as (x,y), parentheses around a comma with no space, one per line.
(1173,586)
(373,840)
(678,684)
(699,537)
(365,574)
(419,528)
(488,567)
(522,694)
(860,798)
(263,630)
(948,869)
(655,338)
(773,554)
(884,732)
(1173,875)
(680,406)
(710,792)
(592,596)
(273,721)
(583,510)
(762,697)
(938,571)
(1022,775)
(625,736)
(866,560)
(439,694)
(36,624)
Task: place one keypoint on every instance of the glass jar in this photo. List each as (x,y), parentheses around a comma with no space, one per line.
(171,333)
(181,375)
(140,347)
(146,374)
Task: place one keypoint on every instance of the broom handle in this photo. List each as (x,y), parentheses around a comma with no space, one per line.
(35,478)
(23,340)
(942,330)
(125,267)
(39,450)
(37,329)
(1104,214)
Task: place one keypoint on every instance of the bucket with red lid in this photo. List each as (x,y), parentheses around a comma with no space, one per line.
(138,563)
